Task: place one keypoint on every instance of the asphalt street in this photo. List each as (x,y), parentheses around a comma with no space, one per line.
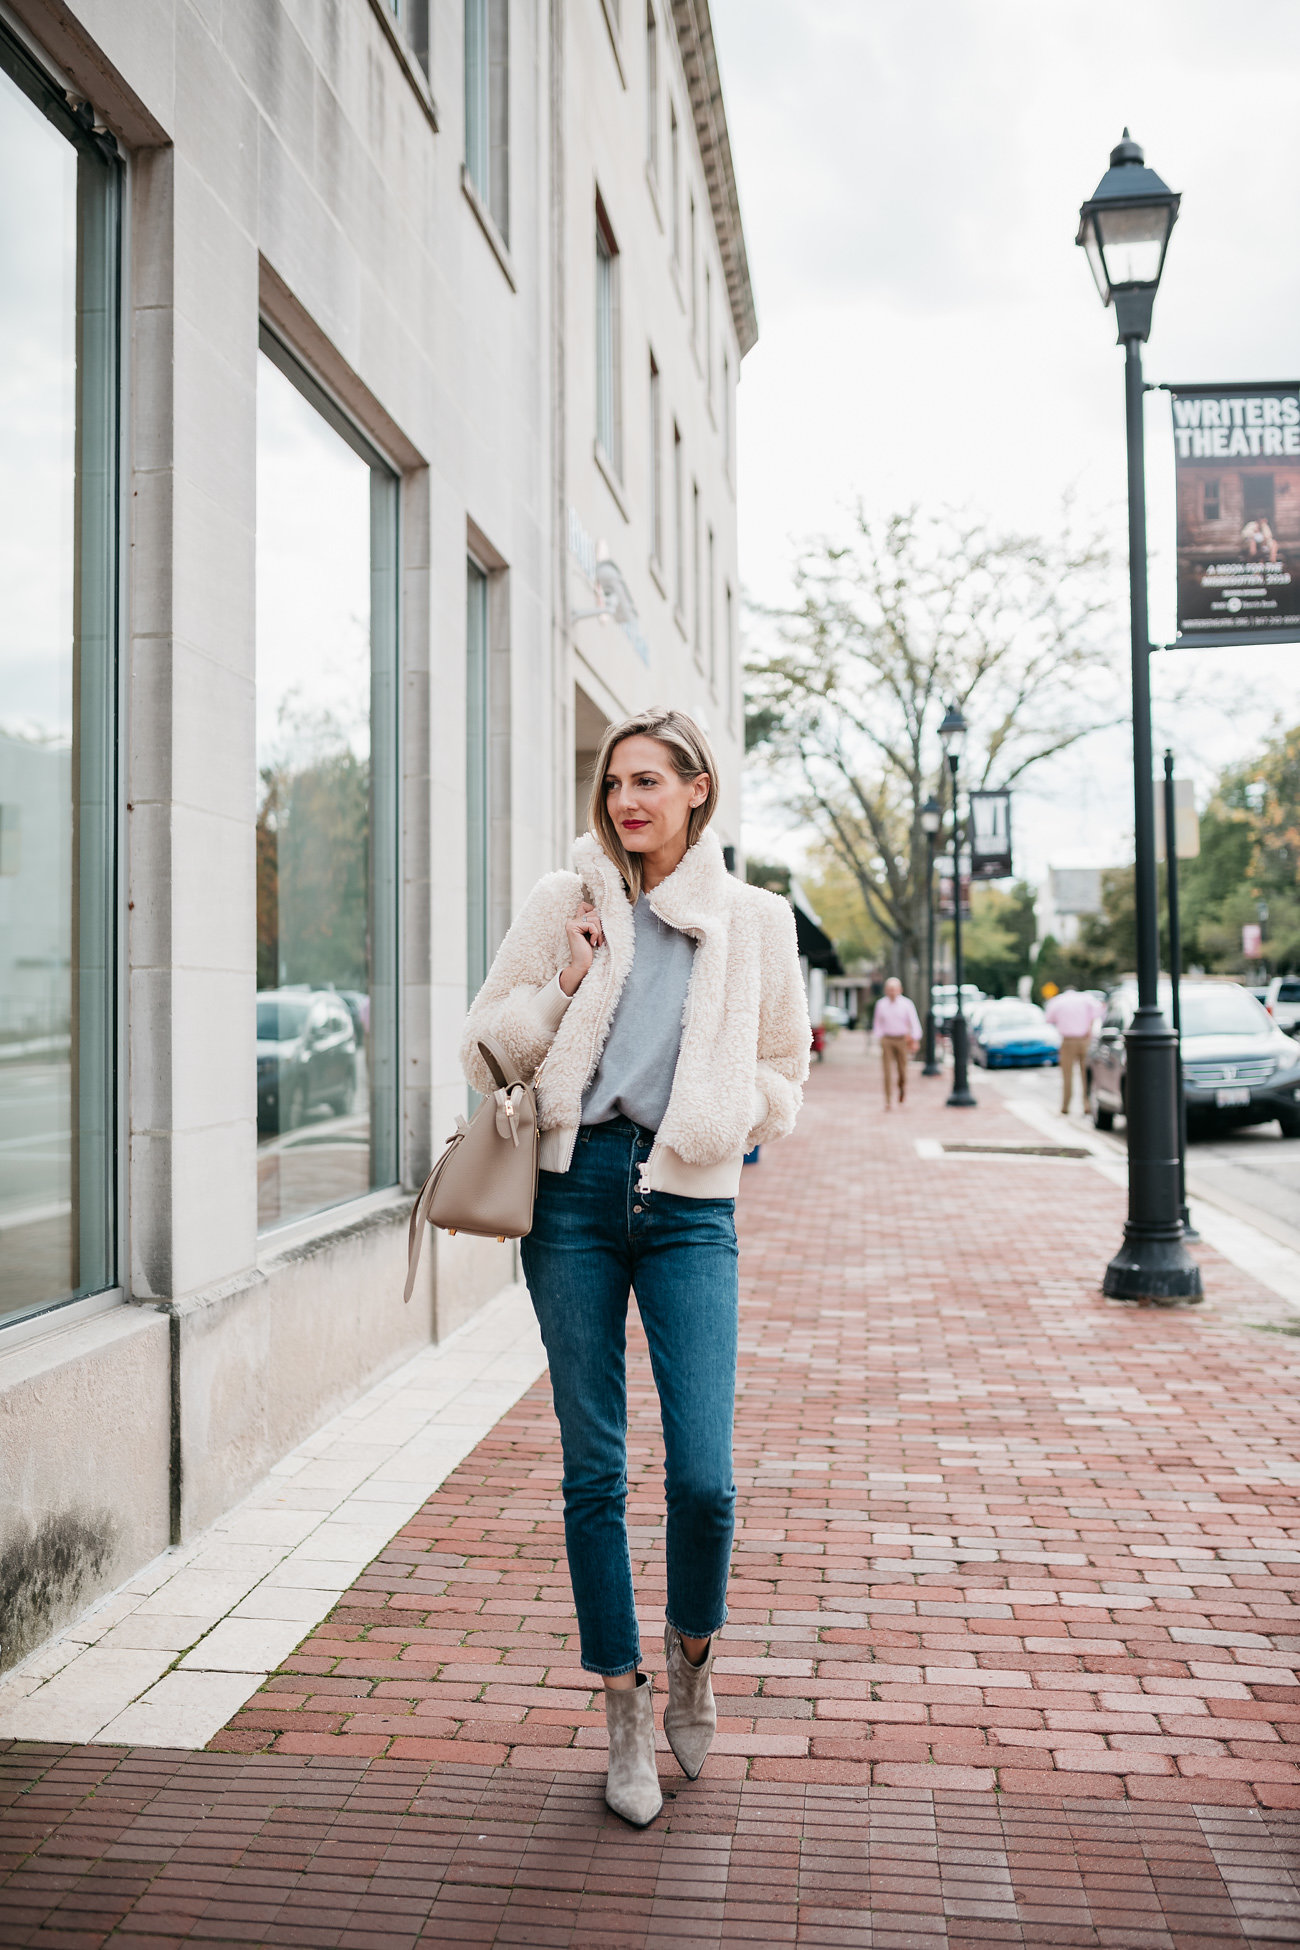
(1254,1172)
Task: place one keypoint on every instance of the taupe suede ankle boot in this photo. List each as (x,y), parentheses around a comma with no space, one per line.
(632,1789)
(690,1717)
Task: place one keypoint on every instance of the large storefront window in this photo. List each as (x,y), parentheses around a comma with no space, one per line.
(59,190)
(326,807)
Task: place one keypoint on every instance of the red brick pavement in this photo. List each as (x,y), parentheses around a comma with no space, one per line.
(1012,1655)
(150,1851)
(990,1524)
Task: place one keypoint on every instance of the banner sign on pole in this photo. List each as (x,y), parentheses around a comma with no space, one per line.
(990,835)
(1237,465)
(943,905)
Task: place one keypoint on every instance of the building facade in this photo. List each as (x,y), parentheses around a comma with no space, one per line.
(368,376)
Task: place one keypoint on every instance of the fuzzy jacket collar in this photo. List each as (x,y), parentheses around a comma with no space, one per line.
(692,899)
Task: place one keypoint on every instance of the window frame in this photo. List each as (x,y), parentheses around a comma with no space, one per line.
(697,610)
(487,108)
(412,18)
(711,625)
(652,91)
(693,270)
(707,348)
(98,881)
(728,417)
(608,318)
(679,528)
(675,180)
(656,464)
(386,635)
(478,773)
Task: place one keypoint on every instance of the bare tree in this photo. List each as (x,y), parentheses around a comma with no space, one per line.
(913,612)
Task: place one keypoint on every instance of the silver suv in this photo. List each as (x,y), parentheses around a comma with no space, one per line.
(1282,1000)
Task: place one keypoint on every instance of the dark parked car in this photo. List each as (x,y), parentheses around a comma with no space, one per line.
(306,1056)
(1238,1067)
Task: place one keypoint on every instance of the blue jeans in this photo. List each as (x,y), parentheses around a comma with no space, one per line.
(594,1237)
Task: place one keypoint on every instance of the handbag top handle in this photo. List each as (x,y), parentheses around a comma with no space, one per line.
(504,1073)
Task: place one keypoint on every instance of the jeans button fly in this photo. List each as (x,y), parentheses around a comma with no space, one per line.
(636,1208)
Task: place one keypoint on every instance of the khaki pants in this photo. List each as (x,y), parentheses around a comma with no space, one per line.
(893,1057)
(1074,1050)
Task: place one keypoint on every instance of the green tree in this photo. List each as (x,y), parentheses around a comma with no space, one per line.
(1000,934)
(1246,871)
(910,613)
(836,895)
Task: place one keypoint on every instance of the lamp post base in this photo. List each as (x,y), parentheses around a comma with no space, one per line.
(932,1067)
(1153,1263)
(959,1097)
(1157,1270)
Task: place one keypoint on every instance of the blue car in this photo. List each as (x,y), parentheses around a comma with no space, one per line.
(1014,1035)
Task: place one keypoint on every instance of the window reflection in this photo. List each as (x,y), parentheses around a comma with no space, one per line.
(325,890)
(58,253)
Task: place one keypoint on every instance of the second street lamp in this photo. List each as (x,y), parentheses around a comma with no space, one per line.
(1124,227)
(952,733)
(931,821)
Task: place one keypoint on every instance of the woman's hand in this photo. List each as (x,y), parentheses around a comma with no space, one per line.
(585,936)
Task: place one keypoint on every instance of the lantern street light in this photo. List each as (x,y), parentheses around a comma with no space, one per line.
(931,821)
(952,735)
(1124,228)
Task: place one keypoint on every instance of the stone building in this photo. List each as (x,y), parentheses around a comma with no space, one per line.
(367,378)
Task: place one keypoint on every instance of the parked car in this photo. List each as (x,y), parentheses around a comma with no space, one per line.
(358,1006)
(1014,1034)
(306,1056)
(1238,1066)
(944,1002)
(1282,1000)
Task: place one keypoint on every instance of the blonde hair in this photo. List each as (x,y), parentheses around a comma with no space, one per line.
(690,753)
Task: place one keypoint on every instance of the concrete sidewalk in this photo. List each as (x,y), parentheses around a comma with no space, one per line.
(1014,1641)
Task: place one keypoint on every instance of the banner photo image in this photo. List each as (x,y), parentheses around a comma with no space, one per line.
(1237,465)
(990,835)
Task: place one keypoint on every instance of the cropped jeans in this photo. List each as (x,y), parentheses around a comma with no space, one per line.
(595,1237)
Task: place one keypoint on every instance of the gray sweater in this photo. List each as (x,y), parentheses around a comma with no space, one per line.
(634,1077)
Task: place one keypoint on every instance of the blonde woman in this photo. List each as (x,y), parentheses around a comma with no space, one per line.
(659,1004)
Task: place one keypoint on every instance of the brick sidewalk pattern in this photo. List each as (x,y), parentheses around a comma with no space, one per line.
(148,1851)
(1013,1621)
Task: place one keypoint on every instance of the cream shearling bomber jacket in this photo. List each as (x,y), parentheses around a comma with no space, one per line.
(745,1034)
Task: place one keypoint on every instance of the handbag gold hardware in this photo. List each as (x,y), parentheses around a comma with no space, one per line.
(486,1179)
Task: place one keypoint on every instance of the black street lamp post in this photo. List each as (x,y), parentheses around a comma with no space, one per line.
(1124,228)
(952,732)
(931,821)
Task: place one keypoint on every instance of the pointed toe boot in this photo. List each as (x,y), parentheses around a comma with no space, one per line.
(632,1789)
(690,1717)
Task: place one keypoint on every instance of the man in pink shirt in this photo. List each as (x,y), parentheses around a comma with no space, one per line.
(1073,1014)
(897,1028)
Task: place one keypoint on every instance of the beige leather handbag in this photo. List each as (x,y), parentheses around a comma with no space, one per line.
(486,1179)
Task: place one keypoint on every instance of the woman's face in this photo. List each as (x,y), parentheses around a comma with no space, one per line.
(647,798)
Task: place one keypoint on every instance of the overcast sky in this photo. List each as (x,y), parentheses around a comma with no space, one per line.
(910,180)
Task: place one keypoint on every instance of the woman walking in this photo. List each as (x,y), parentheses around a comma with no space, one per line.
(658,1003)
